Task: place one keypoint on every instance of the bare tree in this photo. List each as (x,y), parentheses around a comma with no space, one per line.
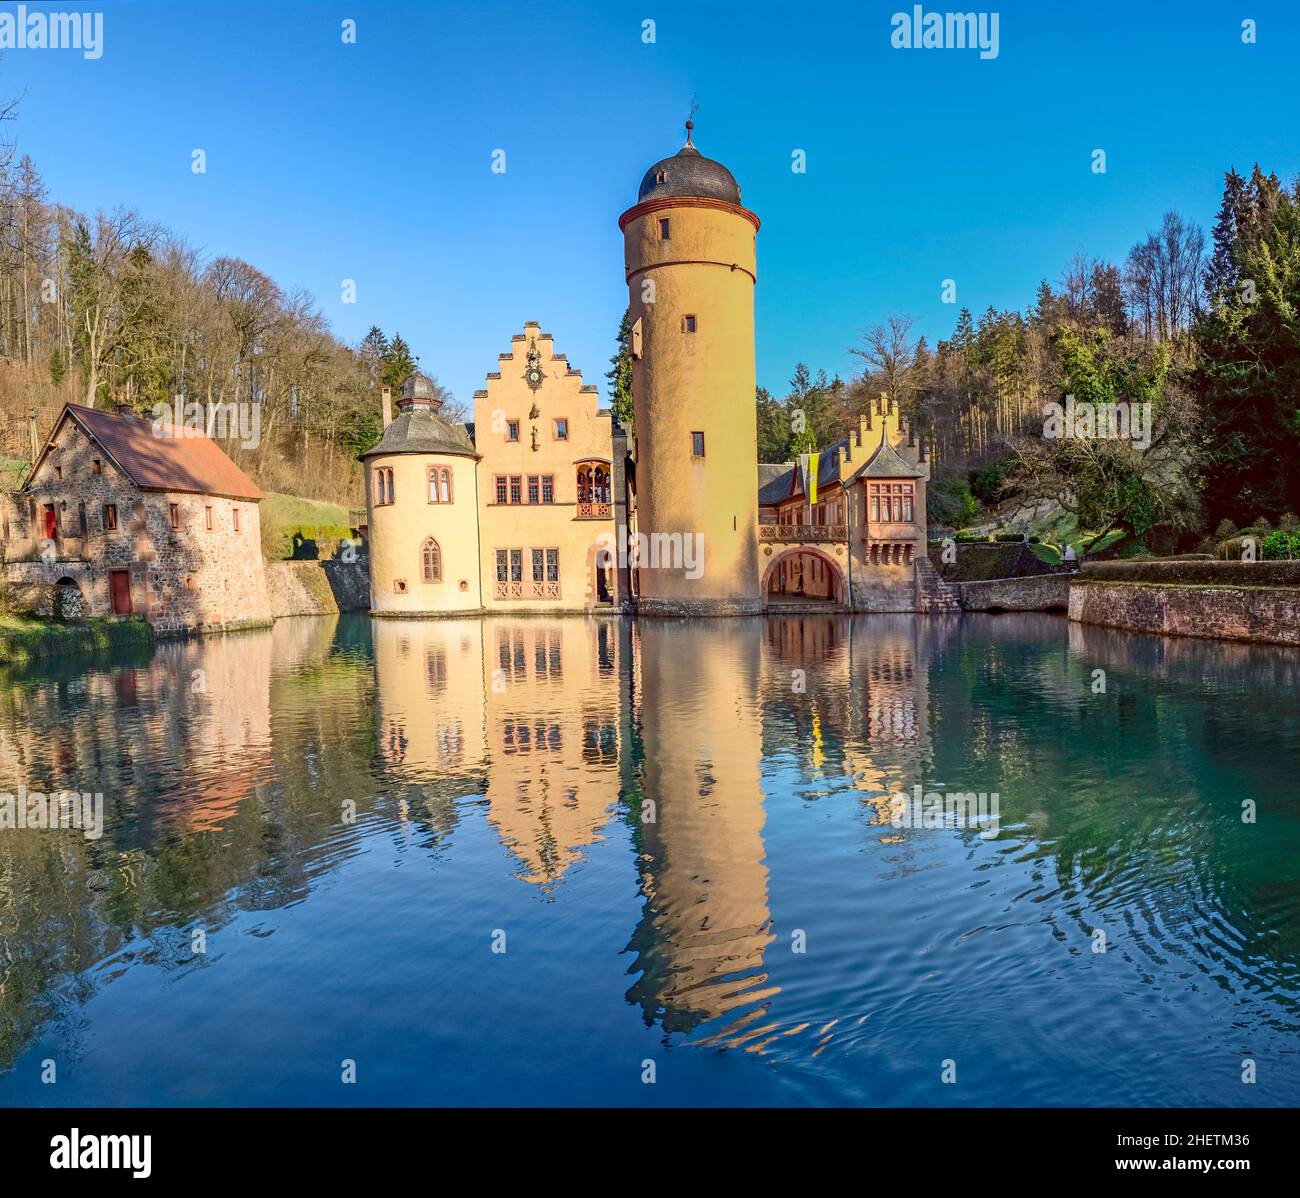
(889,350)
(1162,277)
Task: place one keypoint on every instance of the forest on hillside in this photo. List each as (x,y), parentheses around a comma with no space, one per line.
(108,308)
(1205,330)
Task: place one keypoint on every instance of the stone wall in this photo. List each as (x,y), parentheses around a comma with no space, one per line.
(201,571)
(1045,592)
(313,588)
(1268,615)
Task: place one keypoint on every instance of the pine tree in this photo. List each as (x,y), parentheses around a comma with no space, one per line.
(620,374)
(372,351)
(397,364)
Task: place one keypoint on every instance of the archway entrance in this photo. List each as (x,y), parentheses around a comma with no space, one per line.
(803,576)
(67,602)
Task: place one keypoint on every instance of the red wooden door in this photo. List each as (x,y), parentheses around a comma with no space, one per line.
(51,523)
(121,581)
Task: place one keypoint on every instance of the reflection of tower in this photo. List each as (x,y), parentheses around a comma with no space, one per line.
(429,704)
(706,923)
(691,267)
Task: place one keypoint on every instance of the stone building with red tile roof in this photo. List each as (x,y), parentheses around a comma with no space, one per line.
(126,516)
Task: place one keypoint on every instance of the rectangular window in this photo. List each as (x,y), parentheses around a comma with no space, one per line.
(697,445)
(174,515)
(235,512)
(516,488)
(561,430)
(663,229)
(58,472)
(512,430)
(95,466)
(688,324)
(537,565)
(516,565)
(502,575)
(548,488)
(110,517)
(552,565)
(534,490)
(501,492)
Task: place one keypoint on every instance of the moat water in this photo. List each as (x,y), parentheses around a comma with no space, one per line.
(541,861)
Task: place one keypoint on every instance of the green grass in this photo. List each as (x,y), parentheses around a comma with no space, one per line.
(282,514)
(24,638)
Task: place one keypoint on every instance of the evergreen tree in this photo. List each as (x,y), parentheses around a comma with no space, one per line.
(397,364)
(1248,371)
(372,351)
(620,374)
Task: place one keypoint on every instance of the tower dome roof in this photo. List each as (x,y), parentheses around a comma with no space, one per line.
(420,386)
(689,173)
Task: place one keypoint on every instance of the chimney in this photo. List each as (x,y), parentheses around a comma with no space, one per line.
(125,409)
(387,405)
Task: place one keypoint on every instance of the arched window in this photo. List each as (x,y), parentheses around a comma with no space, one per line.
(584,485)
(383,486)
(430,561)
(439,484)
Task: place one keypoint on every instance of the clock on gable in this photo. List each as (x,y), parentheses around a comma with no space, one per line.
(533,373)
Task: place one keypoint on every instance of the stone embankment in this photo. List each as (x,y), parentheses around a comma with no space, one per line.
(1240,601)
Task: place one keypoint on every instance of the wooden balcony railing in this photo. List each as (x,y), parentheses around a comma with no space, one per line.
(803,532)
(527,590)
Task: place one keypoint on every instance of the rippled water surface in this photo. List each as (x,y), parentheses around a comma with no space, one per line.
(679,835)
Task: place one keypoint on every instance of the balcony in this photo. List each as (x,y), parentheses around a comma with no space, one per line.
(595,511)
(803,532)
(527,590)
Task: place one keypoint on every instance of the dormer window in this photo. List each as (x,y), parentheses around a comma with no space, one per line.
(661,176)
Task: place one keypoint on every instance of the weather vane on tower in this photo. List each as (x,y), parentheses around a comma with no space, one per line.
(690,120)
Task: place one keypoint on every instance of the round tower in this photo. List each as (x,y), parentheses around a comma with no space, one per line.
(690,257)
(422,509)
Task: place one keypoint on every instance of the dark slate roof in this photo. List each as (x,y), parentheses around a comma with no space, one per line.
(774,479)
(169,459)
(419,430)
(886,462)
(689,173)
(419,386)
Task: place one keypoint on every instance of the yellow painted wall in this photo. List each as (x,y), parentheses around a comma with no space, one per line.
(696,382)
(562,394)
(398,530)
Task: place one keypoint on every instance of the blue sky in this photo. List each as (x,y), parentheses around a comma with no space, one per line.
(371,161)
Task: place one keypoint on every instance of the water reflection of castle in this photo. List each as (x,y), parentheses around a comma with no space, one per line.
(566,725)
(562,731)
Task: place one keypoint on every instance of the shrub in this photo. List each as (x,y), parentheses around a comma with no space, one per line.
(1226,530)
(949,500)
(1011,536)
(1281,546)
(988,484)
